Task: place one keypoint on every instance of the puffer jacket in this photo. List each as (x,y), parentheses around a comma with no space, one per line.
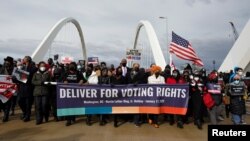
(237,103)
(38,81)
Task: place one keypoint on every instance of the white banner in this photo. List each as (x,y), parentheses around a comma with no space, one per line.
(133,54)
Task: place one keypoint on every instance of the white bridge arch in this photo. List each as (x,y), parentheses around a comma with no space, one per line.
(43,47)
(153,41)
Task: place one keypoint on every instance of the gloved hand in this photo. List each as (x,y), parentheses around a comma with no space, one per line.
(14,77)
(42,83)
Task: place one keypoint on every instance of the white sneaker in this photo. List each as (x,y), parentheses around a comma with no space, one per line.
(220,118)
(243,122)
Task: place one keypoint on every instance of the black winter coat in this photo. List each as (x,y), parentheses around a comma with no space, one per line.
(26,89)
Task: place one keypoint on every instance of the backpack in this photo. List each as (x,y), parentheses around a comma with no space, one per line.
(208,100)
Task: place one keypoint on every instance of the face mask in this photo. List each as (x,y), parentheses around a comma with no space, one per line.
(79,67)
(42,69)
(167,71)
(196,78)
(157,74)
(191,77)
(174,74)
(136,69)
(72,68)
(240,73)
(236,81)
(19,67)
(124,64)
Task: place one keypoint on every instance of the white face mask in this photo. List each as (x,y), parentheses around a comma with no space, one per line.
(42,68)
(79,67)
(174,74)
(196,78)
(191,77)
(236,81)
(240,73)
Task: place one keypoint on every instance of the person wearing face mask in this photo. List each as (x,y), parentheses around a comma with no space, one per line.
(236,91)
(155,78)
(237,70)
(135,76)
(103,79)
(196,93)
(56,77)
(117,79)
(175,78)
(90,77)
(49,66)
(79,67)
(7,69)
(41,93)
(185,78)
(214,89)
(72,76)
(167,72)
(124,67)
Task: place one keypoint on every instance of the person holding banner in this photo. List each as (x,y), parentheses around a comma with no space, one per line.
(196,91)
(117,79)
(236,90)
(175,78)
(72,76)
(214,89)
(40,80)
(91,77)
(155,78)
(6,70)
(56,77)
(135,76)
(103,79)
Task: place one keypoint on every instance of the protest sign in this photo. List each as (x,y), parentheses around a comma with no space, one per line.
(104,99)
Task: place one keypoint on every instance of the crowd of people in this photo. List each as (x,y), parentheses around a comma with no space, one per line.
(202,101)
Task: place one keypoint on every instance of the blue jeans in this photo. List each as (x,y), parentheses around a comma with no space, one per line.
(236,119)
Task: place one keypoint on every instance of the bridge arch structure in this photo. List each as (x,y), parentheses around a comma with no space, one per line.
(43,47)
(153,41)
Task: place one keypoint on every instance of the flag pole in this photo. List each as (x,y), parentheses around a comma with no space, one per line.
(166,35)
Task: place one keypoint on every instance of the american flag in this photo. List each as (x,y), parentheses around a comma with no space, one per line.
(183,49)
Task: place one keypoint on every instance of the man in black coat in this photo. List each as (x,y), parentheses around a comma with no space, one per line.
(135,76)
(25,93)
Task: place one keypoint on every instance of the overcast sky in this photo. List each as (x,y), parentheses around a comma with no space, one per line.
(109,25)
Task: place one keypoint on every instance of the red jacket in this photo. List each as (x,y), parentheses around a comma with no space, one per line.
(172,80)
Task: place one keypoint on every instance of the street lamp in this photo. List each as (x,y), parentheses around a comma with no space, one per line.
(214,64)
(165,18)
